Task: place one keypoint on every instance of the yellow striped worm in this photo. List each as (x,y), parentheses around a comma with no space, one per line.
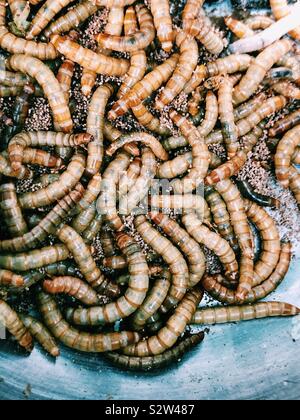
(112,134)
(12,322)
(285,124)
(41,158)
(90,234)
(163,23)
(287,89)
(239,28)
(129,179)
(294,181)
(91,193)
(64,77)
(190,12)
(7,170)
(203,30)
(283,156)
(20,10)
(77,340)
(81,222)
(146,119)
(246,109)
(10,279)
(11,211)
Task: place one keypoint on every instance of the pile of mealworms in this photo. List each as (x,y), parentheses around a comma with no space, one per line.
(109,264)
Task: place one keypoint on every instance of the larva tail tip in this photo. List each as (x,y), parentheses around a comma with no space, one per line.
(55,352)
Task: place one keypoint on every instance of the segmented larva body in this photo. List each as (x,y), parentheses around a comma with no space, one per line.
(10,279)
(107,243)
(84,218)
(284,153)
(88,81)
(144,89)
(174,142)
(114,3)
(90,234)
(112,134)
(258,69)
(270,242)
(135,42)
(189,247)
(8,78)
(294,181)
(144,138)
(64,76)
(91,193)
(146,119)
(291,62)
(95,124)
(194,102)
(280,9)
(74,287)
(229,128)
(52,89)
(11,211)
(227,169)
(246,109)
(285,124)
(259,22)
(85,342)
(47,226)
(175,167)
(244,313)
(163,23)
(115,21)
(20,10)
(199,75)
(107,202)
(153,301)
(187,63)
(88,59)
(41,334)
(213,284)
(8,91)
(140,190)
(203,30)
(128,181)
(240,29)
(115,262)
(134,295)
(211,115)
(190,12)
(10,320)
(72,19)
(58,189)
(287,89)
(40,139)
(260,199)
(172,256)
(200,154)
(41,158)
(15,45)
(44,16)
(148,364)
(7,170)
(221,217)
(168,335)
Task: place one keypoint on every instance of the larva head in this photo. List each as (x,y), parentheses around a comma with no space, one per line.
(123,240)
(83,138)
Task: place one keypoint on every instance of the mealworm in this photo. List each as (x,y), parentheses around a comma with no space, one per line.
(58,189)
(64,77)
(91,193)
(41,334)
(244,313)
(258,69)
(190,12)
(296,156)
(221,217)
(174,142)
(11,211)
(239,28)
(10,320)
(189,247)
(45,15)
(153,301)
(194,102)
(211,115)
(200,154)
(144,89)
(74,287)
(61,268)
(93,230)
(114,3)
(98,63)
(280,9)
(183,203)
(34,259)
(147,364)
(213,284)
(44,76)
(33,220)
(291,62)
(284,152)
(175,167)
(146,119)
(7,170)
(72,19)
(107,202)
(187,63)
(171,255)
(112,134)
(285,124)
(8,78)
(154,324)
(163,23)
(107,243)
(229,128)
(15,45)
(130,201)
(260,199)
(245,125)
(115,262)
(286,89)
(47,179)
(88,80)
(8,278)
(138,59)
(7,91)
(203,30)
(168,335)
(83,219)
(41,158)
(259,22)
(270,242)
(198,76)
(128,181)
(134,295)
(20,10)
(144,138)
(131,43)
(294,181)
(95,123)
(246,109)
(85,342)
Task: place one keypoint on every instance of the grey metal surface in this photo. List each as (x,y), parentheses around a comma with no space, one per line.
(254,360)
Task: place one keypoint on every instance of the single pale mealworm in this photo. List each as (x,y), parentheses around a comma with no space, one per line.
(11,211)
(280,9)
(285,124)
(260,199)
(10,279)
(64,76)
(20,10)
(239,28)
(163,23)
(285,150)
